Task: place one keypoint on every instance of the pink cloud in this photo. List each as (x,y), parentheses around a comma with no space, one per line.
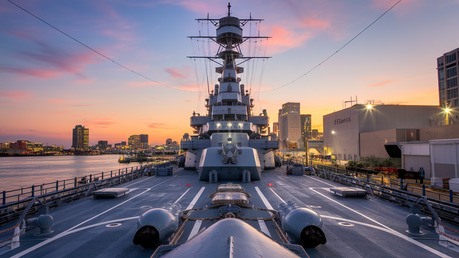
(186,87)
(15,94)
(380,84)
(198,6)
(404,7)
(284,39)
(178,73)
(99,122)
(52,62)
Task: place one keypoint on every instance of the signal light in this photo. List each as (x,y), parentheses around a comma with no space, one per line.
(270,184)
(188,184)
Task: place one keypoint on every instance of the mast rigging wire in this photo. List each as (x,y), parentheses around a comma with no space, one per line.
(336,52)
(90,48)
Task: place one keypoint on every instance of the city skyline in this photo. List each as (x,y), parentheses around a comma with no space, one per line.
(50,82)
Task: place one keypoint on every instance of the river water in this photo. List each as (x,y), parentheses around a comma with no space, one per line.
(17,172)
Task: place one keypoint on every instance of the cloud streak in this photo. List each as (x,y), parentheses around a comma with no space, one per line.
(157,125)
(381,84)
(16,95)
(49,62)
(178,73)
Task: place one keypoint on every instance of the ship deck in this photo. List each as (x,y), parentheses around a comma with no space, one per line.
(354,227)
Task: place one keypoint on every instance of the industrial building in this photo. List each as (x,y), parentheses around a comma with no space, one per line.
(363,130)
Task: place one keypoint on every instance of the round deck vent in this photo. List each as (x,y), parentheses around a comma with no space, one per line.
(113,225)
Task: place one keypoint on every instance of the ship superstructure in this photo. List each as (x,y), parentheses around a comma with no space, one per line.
(230,142)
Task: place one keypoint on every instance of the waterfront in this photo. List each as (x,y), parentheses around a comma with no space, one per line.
(17,172)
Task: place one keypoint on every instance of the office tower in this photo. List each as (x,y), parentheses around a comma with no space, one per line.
(80,137)
(447,66)
(289,125)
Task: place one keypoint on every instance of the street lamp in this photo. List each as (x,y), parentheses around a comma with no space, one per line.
(447,111)
(369,106)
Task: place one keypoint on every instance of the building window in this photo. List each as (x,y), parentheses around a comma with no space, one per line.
(442,85)
(452,93)
(440,62)
(441,74)
(451,72)
(442,96)
(451,58)
(451,83)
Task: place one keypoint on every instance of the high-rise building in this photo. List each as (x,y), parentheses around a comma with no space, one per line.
(276,128)
(103,145)
(134,142)
(305,127)
(289,125)
(80,137)
(448,66)
(144,141)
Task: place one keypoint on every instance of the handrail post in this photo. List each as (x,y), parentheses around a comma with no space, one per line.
(33,190)
(4,198)
(451,196)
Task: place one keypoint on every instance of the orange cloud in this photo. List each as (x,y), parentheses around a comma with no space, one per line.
(99,122)
(380,84)
(157,125)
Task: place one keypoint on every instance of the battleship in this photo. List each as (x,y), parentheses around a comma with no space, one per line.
(230,198)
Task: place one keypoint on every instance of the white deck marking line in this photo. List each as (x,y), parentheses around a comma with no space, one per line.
(282,200)
(195,199)
(182,196)
(197,224)
(322,181)
(262,223)
(349,208)
(390,231)
(49,240)
(263,227)
(195,229)
(263,198)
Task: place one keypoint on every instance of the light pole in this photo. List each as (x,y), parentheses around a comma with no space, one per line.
(447,111)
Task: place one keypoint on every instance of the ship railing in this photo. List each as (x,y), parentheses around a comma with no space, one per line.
(446,205)
(57,193)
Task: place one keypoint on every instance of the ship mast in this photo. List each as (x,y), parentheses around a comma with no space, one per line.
(229,39)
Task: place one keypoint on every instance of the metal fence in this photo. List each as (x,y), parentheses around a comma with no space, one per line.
(445,203)
(53,194)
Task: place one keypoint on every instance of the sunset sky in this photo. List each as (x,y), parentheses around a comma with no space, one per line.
(49,82)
